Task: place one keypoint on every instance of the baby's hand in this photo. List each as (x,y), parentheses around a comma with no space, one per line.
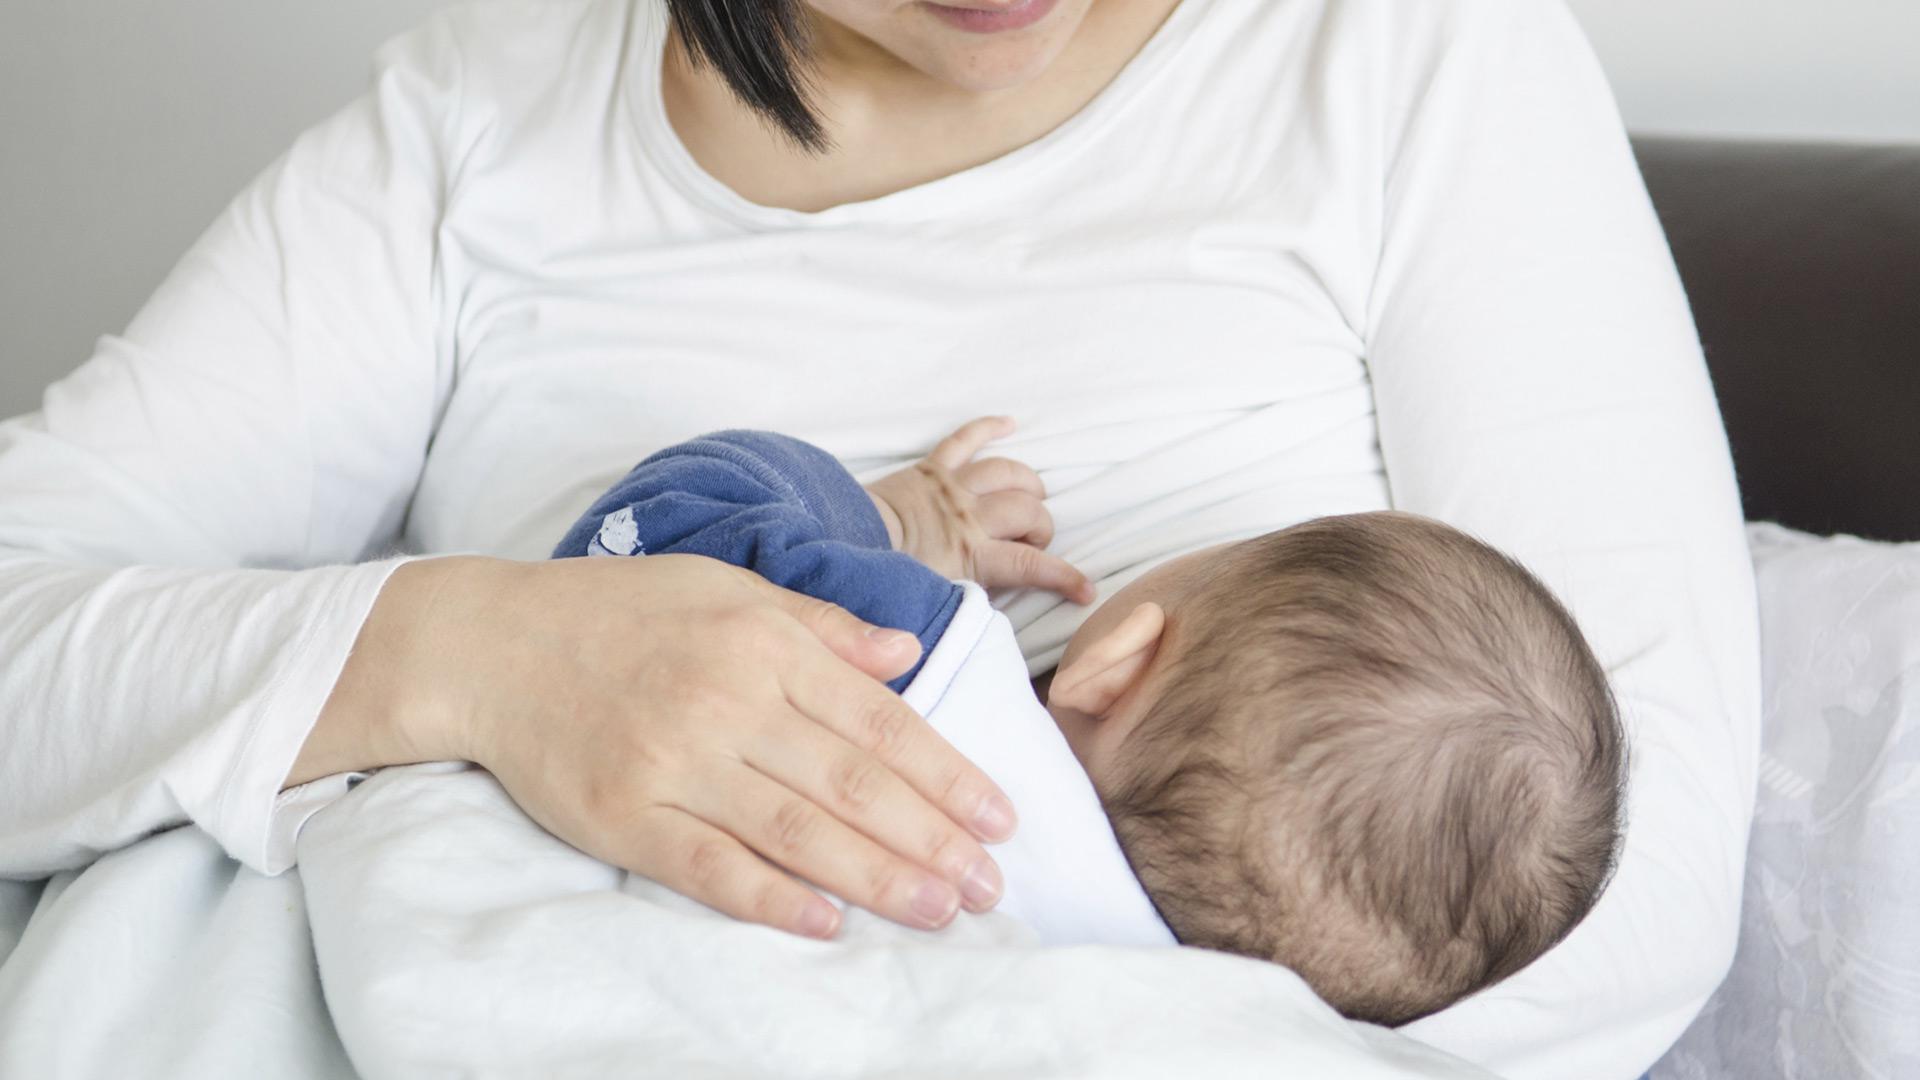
(980,521)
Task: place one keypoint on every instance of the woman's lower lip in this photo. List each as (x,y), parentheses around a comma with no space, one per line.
(977,21)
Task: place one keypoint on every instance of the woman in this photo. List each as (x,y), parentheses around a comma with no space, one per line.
(1234,263)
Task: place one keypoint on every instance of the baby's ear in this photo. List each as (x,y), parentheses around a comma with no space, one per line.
(1099,677)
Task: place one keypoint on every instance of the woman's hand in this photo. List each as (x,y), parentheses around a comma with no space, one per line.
(681,719)
(983,521)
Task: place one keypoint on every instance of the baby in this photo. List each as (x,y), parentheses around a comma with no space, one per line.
(1368,748)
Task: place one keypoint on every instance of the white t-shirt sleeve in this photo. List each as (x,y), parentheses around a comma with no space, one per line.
(168,639)
(1539,383)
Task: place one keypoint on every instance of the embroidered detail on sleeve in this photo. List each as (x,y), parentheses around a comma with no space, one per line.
(619,535)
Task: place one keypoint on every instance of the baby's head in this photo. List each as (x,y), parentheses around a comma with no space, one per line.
(1369,748)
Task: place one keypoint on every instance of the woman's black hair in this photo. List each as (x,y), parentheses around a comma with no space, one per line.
(760,47)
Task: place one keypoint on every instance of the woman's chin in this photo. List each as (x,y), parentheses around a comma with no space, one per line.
(967,62)
(993,74)
(948,44)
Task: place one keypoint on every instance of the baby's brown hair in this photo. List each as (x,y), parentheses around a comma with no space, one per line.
(1383,756)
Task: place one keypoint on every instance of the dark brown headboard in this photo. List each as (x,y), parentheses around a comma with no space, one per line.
(1803,264)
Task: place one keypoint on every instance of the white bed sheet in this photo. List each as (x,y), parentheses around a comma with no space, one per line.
(168,960)
(1826,981)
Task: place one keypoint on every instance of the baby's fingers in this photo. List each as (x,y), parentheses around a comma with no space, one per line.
(1015,515)
(960,447)
(1000,474)
(1002,564)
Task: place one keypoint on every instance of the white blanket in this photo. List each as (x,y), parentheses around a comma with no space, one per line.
(457,938)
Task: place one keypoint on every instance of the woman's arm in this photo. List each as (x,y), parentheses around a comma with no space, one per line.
(1539,383)
(268,411)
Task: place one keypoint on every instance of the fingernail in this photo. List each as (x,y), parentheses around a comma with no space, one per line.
(888,637)
(819,920)
(995,820)
(935,903)
(982,886)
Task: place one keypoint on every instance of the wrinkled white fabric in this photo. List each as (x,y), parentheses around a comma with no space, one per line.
(456,938)
(166,959)
(1301,258)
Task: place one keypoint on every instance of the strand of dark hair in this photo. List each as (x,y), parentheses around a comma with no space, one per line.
(761,48)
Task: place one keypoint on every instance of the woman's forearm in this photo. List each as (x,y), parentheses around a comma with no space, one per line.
(384,710)
(141,698)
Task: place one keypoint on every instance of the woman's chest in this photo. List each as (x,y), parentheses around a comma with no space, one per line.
(577,356)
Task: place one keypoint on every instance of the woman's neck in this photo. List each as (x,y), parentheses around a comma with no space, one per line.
(891,126)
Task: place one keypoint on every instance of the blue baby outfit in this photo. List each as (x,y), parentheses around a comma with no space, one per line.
(782,508)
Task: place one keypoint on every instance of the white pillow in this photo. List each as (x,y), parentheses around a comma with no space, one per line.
(1826,982)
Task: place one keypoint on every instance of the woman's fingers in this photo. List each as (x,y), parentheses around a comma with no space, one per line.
(1003,564)
(791,830)
(960,447)
(873,718)
(1000,474)
(697,860)
(882,653)
(855,787)
(1015,515)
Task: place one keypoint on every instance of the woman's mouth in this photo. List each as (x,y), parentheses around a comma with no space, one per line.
(981,20)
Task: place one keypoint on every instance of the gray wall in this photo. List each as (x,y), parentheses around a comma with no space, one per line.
(1847,69)
(125,125)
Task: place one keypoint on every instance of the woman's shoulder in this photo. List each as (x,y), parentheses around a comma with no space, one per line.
(1496,31)
(509,31)
(1356,71)
(1328,45)
(518,79)
(1396,25)
(504,51)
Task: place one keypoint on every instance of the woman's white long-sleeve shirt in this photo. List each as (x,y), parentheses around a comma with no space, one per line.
(1302,257)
